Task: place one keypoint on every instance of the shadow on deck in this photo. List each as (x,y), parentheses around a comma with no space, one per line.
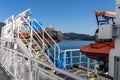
(3,74)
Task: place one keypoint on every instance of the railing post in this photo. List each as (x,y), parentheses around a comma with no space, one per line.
(37,74)
(71,58)
(22,69)
(3,56)
(95,67)
(64,60)
(15,66)
(31,69)
(1,52)
(18,30)
(31,36)
(54,56)
(80,58)
(88,65)
(13,26)
(42,37)
(38,77)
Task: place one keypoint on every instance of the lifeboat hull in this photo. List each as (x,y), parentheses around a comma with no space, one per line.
(99,51)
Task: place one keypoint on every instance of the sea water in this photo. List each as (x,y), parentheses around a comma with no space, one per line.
(73,44)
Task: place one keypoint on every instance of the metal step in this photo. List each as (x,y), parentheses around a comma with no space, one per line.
(29,44)
(28,40)
(45,59)
(38,55)
(36,49)
(53,71)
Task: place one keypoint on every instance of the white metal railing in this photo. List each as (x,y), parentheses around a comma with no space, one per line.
(9,19)
(24,17)
(22,67)
(78,62)
(43,46)
(8,30)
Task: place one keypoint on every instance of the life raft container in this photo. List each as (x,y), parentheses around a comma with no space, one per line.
(99,51)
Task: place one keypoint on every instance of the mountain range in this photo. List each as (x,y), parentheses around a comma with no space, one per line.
(77,36)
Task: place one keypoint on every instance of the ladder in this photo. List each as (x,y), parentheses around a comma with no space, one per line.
(35,41)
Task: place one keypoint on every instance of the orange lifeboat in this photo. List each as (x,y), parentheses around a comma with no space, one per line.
(99,51)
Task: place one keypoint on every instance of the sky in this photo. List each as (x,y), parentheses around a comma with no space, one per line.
(65,15)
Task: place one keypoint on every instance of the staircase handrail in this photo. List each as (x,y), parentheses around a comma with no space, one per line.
(46,44)
(46,33)
(35,33)
(51,39)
